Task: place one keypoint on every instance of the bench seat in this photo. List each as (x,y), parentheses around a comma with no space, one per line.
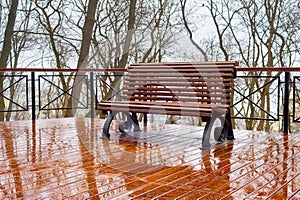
(201,110)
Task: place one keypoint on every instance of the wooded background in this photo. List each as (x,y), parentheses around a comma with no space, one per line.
(82,34)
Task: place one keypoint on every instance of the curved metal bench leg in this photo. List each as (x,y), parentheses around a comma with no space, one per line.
(125,127)
(229,134)
(219,132)
(136,126)
(107,123)
(206,134)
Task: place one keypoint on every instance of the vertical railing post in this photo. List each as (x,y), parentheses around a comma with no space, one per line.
(92,95)
(286,103)
(33,113)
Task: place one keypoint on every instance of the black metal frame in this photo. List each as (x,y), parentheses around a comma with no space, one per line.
(44,107)
(286,116)
(21,77)
(295,89)
(116,93)
(273,118)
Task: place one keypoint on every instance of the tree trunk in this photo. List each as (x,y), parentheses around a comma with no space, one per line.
(83,56)
(6,48)
(130,31)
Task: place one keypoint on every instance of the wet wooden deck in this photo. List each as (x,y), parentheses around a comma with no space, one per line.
(67,159)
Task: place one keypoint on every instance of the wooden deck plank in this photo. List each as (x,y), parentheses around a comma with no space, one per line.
(69,159)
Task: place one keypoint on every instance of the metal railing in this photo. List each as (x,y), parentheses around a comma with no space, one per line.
(35,81)
(270,81)
(32,86)
(286,82)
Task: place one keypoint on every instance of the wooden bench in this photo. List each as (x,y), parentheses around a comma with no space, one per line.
(201,89)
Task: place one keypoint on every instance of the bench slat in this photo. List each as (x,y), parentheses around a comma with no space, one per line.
(167,94)
(183,84)
(185,64)
(181,99)
(179,89)
(181,69)
(175,104)
(172,74)
(155,107)
(177,79)
(159,111)
(227,63)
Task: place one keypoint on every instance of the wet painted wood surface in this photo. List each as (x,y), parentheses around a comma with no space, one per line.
(68,159)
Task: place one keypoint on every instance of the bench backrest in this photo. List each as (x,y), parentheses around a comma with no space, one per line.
(205,82)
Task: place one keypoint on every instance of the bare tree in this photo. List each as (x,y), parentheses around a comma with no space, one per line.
(113,36)
(257,34)
(87,31)
(189,31)
(6,47)
(19,41)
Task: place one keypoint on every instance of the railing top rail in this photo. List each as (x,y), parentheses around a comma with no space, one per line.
(59,70)
(261,69)
(270,69)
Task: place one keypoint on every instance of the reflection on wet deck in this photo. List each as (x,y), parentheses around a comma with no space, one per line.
(67,159)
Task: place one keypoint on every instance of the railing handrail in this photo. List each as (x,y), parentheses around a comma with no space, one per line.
(261,69)
(61,70)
